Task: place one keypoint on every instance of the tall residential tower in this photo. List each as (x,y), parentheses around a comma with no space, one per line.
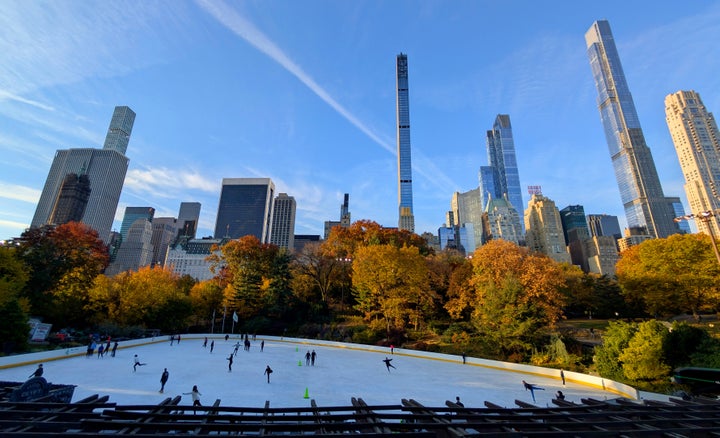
(105,169)
(405,199)
(642,196)
(697,143)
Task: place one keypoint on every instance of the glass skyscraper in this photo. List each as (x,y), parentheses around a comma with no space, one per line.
(697,143)
(642,196)
(405,200)
(246,207)
(105,169)
(501,177)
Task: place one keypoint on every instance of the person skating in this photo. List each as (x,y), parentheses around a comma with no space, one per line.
(313,355)
(262,345)
(114,349)
(38,372)
(212,346)
(237,347)
(101,351)
(268,371)
(195,394)
(532,388)
(388,365)
(230,361)
(136,363)
(163,380)
(205,342)
(307,358)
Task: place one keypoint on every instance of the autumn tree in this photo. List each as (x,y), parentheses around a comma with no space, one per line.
(515,296)
(391,286)
(316,274)
(343,242)
(206,298)
(672,275)
(63,261)
(149,297)
(257,277)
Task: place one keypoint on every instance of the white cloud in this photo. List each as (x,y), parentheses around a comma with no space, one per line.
(162,180)
(19,193)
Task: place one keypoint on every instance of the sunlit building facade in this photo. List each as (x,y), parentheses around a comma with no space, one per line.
(697,142)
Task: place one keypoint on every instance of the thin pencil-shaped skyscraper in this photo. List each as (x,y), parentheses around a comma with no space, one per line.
(642,196)
(405,200)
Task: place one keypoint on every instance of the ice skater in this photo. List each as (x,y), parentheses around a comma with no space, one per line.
(464,356)
(114,349)
(307,358)
(313,355)
(163,380)
(562,376)
(212,346)
(37,373)
(262,345)
(136,363)
(195,394)
(205,342)
(230,361)
(388,365)
(101,351)
(532,388)
(268,371)
(237,347)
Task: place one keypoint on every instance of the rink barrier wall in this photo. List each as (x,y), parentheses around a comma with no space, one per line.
(597,382)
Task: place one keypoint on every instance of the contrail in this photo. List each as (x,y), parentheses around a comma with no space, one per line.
(248,32)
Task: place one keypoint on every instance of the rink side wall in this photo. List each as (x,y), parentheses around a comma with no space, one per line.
(618,388)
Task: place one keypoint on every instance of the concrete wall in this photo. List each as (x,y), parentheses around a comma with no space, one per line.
(578,378)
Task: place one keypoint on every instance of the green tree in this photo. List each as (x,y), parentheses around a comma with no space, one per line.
(14,326)
(642,359)
(614,341)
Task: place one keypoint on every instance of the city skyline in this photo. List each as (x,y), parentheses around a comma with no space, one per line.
(304,94)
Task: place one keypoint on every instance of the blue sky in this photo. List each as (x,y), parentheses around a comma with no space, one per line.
(303,92)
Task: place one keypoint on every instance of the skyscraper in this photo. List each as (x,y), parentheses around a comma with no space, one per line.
(544,229)
(697,143)
(405,200)
(131,215)
(72,199)
(283,222)
(188,219)
(501,177)
(245,208)
(604,225)
(105,170)
(640,190)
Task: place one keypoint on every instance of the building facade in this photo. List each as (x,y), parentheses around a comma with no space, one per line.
(406,219)
(164,232)
(190,257)
(640,190)
(72,199)
(604,225)
(500,221)
(188,219)
(468,209)
(245,208)
(105,169)
(136,250)
(544,232)
(283,222)
(131,215)
(697,142)
(344,218)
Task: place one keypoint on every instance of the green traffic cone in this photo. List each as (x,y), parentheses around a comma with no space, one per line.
(299,363)
(306,393)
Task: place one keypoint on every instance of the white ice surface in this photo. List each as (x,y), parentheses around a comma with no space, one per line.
(338,375)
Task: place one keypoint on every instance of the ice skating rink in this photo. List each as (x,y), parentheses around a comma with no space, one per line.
(338,375)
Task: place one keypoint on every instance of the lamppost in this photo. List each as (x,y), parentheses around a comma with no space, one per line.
(705,217)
